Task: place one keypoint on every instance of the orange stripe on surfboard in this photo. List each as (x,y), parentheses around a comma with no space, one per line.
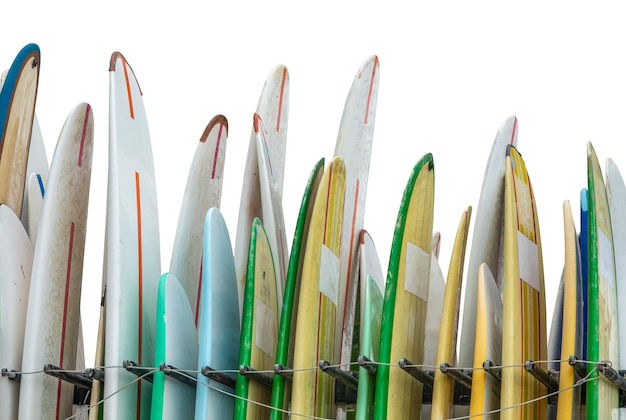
(130,95)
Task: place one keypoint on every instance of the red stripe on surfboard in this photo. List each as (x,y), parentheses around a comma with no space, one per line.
(130,95)
(217,150)
(514,131)
(68,277)
(82,137)
(139,287)
(369,95)
(258,126)
(280,100)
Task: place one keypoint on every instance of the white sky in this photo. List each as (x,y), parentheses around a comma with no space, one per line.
(451,73)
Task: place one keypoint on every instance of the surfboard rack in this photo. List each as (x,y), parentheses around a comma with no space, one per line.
(367,364)
(493,370)
(97,374)
(579,367)
(13,375)
(346,385)
(217,376)
(459,376)
(424,376)
(262,378)
(80,380)
(138,370)
(179,375)
(612,375)
(542,375)
(283,371)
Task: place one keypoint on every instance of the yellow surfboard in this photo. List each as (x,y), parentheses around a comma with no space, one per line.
(524,308)
(312,390)
(398,395)
(443,387)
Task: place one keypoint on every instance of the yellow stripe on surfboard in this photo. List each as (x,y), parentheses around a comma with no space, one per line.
(524,310)
(312,391)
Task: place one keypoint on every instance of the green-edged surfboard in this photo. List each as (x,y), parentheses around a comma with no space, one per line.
(259,328)
(281,387)
(398,395)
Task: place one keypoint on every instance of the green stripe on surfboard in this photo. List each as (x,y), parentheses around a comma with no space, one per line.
(404,301)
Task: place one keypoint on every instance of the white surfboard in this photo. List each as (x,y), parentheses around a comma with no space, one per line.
(33,197)
(132,247)
(16,261)
(273,110)
(37,164)
(203,191)
(53,315)
(486,246)
(354,145)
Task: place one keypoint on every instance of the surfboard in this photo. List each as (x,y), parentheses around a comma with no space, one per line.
(398,395)
(203,191)
(318,306)
(572,313)
(259,328)
(524,334)
(176,344)
(436,246)
(17,110)
(273,109)
(219,327)
(272,207)
(602,396)
(616,194)
(36,188)
(485,395)
(354,146)
(583,242)
(132,253)
(486,243)
(16,261)
(37,164)
(53,314)
(371,287)
(281,388)
(443,385)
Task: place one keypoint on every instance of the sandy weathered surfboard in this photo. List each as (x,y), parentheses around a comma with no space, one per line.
(398,395)
(524,335)
(17,111)
(273,110)
(53,315)
(602,334)
(316,338)
(132,254)
(203,191)
(486,246)
(281,388)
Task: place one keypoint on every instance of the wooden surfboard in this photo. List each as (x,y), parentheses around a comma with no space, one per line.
(485,395)
(273,110)
(398,395)
(17,111)
(524,334)
(602,396)
(203,191)
(219,327)
(281,388)
(354,146)
(53,315)
(316,338)
(371,311)
(443,387)
(132,251)
(176,344)
(486,246)
(259,328)
(16,261)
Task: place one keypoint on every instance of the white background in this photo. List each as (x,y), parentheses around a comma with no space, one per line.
(450,74)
